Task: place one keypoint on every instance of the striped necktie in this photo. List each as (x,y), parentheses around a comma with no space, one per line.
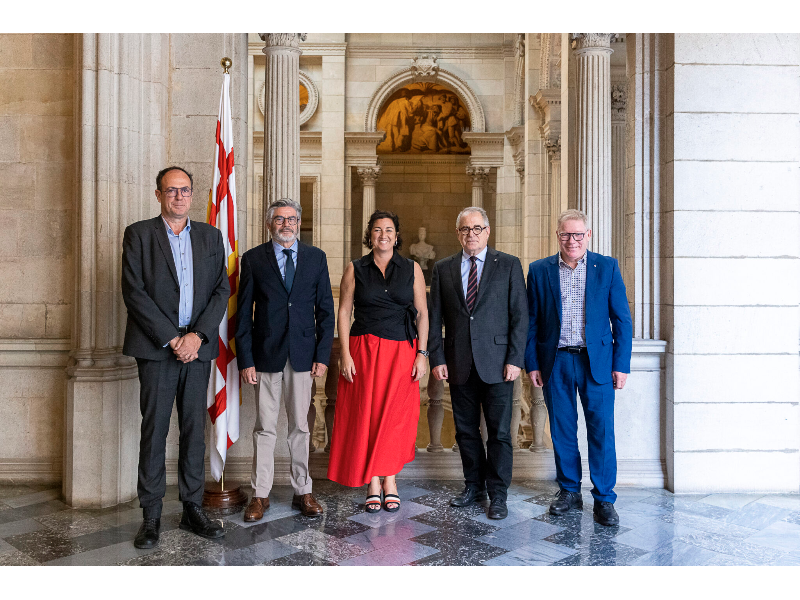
(472,283)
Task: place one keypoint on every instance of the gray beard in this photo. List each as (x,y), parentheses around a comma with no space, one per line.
(284,239)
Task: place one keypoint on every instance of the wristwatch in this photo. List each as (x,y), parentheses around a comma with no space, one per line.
(424,353)
(203,338)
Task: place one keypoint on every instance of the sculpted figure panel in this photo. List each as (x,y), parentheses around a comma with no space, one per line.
(423,118)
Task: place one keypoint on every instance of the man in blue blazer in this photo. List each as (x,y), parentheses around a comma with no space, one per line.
(282,346)
(579,338)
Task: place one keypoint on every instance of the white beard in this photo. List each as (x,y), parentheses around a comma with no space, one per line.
(284,239)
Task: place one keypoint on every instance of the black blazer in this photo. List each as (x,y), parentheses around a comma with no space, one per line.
(298,325)
(494,334)
(151,294)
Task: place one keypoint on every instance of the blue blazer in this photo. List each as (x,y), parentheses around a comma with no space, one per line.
(272,324)
(609,331)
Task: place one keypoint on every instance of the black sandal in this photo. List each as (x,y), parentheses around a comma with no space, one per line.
(373,506)
(386,502)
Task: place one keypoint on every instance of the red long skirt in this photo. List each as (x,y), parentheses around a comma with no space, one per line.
(375,427)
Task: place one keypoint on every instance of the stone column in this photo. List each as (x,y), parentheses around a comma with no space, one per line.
(554,150)
(281,118)
(618,99)
(435,392)
(122,144)
(479,175)
(369,177)
(593,133)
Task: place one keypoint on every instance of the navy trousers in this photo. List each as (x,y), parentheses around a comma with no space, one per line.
(571,373)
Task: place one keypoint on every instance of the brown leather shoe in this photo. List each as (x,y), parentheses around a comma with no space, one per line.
(255,510)
(307,505)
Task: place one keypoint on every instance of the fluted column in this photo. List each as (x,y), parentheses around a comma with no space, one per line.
(618,99)
(554,150)
(281,118)
(593,132)
(479,176)
(369,177)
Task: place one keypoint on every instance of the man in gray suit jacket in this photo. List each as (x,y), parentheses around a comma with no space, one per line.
(175,286)
(479,293)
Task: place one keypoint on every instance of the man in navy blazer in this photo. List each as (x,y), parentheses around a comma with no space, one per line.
(283,345)
(579,338)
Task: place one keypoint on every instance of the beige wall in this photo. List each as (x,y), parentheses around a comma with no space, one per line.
(37,209)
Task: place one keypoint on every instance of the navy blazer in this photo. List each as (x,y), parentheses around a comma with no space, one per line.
(297,325)
(609,347)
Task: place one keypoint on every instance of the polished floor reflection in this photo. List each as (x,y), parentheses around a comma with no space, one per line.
(656,528)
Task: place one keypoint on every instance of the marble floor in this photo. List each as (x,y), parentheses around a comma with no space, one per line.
(656,528)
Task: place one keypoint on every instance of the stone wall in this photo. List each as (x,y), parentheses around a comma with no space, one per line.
(37,212)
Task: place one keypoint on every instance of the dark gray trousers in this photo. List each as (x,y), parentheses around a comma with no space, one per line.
(162,382)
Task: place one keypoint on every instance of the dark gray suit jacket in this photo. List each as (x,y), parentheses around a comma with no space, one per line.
(494,334)
(151,293)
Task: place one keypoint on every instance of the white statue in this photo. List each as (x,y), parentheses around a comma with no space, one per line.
(421,250)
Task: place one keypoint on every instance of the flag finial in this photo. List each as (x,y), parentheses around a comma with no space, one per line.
(226,64)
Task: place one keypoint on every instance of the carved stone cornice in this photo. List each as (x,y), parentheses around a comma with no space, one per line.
(360,148)
(516,135)
(591,41)
(619,98)
(369,175)
(479,175)
(282,40)
(424,68)
(548,104)
(487,148)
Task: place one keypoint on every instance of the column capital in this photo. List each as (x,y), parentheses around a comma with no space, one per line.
(591,41)
(553,145)
(619,98)
(479,175)
(282,40)
(369,175)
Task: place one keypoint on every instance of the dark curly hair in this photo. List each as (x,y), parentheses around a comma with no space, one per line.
(382,214)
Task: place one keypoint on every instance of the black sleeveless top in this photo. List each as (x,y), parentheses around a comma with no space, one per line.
(384,307)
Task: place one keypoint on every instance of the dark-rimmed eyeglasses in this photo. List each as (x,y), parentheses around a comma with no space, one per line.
(477,230)
(171,192)
(564,237)
(280,220)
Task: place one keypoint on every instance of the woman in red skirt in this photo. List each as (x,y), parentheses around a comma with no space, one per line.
(383,358)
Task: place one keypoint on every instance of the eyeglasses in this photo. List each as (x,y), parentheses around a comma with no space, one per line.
(280,220)
(172,192)
(477,230)
(564,237)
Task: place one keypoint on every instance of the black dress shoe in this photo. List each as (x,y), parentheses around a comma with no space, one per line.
(194,519)
(565,501)
(498,509)
(147,537)
(468,496)
(605,514)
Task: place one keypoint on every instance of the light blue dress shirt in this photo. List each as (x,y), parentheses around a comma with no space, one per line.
(465,264)
(281,257)
(181,246)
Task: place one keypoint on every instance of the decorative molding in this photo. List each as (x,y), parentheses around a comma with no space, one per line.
(591,41)
(369,175)
(619,97)
(547,103)
(424,68)
(544,61)
(360,148)
(423,159)
(34,353)
(323,49)
(313,98)
(409,74)
(43,471)
(479,175)
(648,355)
(443,53)
(515,135)
(282,40)
(487,148)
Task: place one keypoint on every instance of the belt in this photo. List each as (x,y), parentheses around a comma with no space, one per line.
(183,330)
(573,349)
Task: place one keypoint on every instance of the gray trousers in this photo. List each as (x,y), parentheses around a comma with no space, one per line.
(295,387)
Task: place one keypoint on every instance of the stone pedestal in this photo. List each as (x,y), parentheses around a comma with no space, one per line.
(479,176)
(281,118)
(369,177)
(593,133)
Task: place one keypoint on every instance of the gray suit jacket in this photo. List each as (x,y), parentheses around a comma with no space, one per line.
(151,293)
(494,334)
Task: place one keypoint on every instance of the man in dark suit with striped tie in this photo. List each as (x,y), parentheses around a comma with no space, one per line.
(479,294)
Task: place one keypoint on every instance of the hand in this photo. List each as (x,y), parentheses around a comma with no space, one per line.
(174,341)
(186,347)
(318,369)
(619,379)
(440,372)
(249,375)
(420,367)
(510,372)
(536,378)
(347,367)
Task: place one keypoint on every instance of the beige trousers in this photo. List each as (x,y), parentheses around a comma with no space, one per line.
(295,387)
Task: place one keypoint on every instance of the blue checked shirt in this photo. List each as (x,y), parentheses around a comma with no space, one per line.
(573,303)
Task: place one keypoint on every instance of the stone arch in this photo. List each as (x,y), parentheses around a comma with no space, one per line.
(441,76)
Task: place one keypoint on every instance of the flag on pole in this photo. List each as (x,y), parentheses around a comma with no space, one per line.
(223,391)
